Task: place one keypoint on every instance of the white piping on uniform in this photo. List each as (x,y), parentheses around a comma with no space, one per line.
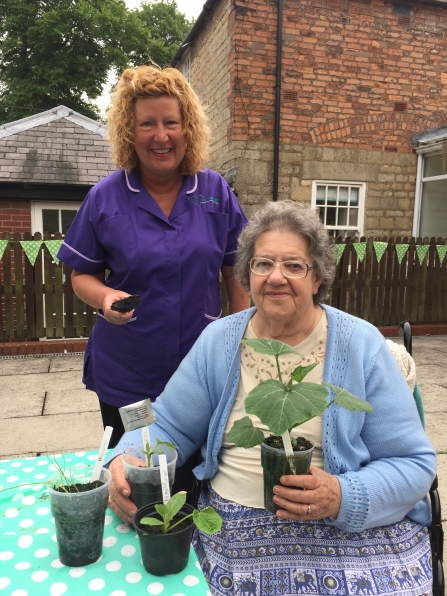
(231,252)
(81,255)
(212,318)
(128,183)
(188,192)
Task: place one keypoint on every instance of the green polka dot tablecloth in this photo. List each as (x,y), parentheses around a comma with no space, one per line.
(29,562)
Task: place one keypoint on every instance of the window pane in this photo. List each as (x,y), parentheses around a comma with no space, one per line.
(343,194)
(332,195)
(354,197)
(434,209)
(321,195)
(433,166)
(67,218)
(50,220)
(330,216)
(342,216)
(353,217)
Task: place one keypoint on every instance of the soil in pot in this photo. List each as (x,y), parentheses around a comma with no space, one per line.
(164,554)
(79,513)
(144,492)
(275,464)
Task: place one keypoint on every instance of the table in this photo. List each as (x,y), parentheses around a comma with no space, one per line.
(29,562)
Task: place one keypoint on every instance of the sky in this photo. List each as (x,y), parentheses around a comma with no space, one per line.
(190,8)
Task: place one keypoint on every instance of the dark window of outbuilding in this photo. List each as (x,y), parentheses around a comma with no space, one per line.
(402,9)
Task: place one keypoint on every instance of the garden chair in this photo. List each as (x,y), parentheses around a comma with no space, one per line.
(436,530)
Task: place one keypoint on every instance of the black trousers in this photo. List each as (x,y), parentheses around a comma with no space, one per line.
(184,477)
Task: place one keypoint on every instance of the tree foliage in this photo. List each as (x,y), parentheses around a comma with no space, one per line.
(55,52)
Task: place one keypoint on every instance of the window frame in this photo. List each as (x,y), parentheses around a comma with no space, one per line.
(38,206)
(425,151)
(361,210)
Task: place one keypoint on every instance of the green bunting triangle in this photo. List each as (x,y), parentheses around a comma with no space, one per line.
(422,250)
(442,251)
(380,248)
(401,250)
(31,249)
(338,252)
(54,246)
(3,245)
(360,249)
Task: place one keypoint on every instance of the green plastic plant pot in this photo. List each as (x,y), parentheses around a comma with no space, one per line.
(144,481)
(164,554)
(275,464)
(79,518)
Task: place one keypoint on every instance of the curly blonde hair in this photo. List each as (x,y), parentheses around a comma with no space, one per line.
(151,81)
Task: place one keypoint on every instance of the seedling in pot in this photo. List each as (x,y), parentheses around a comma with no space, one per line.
(282,407)
(150,450)
(207,520)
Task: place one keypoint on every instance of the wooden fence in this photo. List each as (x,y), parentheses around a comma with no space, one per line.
(386,291)
(37,301)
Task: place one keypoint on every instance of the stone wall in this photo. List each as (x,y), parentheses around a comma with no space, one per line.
(390,180)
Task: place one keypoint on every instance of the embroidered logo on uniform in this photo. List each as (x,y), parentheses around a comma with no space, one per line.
(198,200)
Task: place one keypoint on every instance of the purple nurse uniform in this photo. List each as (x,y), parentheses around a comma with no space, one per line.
(172,262)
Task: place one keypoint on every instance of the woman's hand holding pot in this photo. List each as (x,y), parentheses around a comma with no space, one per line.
(119,492)
(320,497)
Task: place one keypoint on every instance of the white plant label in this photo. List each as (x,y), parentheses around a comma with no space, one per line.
(101,453)
(164,477)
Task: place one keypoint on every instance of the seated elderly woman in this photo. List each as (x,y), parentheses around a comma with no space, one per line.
(360,525)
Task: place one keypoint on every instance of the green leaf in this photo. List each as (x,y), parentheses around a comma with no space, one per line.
(244,434)
(301,371)
(280,409)
(174,505)
(207,520)
(345,399)
(151,521)
(272,347)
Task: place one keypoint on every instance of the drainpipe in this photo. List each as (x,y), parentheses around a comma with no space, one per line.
(277,101)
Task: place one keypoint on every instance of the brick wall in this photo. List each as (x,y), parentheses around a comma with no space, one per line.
(345,67)
(357,81)
(15,217)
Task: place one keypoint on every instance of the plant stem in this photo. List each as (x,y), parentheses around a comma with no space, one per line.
(277,366)
(177,523)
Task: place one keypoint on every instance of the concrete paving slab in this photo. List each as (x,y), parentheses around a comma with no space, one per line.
(51,434)
(24,366)
(16,386)
(66,363)
(66,401)
(19,404)
(435,427)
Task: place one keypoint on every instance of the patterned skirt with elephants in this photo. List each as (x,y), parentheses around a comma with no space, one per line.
(257,554)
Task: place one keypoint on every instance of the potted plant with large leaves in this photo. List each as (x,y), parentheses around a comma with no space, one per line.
(282,407)
(165,532)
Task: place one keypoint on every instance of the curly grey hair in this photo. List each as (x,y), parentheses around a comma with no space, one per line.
(297,218)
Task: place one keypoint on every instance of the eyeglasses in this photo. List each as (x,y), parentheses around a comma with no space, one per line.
(292,269)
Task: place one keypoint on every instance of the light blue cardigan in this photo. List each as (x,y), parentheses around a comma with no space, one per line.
(383,459)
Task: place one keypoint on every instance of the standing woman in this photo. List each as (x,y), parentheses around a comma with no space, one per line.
(161,226)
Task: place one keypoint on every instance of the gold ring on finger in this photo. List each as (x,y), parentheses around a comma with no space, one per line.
(308,510)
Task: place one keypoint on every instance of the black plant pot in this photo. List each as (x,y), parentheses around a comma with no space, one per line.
(275,464)
(79,519)
(164,554)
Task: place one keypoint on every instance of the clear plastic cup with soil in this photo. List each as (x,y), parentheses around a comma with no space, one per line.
(144,480)
(275,463)
(78,507)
